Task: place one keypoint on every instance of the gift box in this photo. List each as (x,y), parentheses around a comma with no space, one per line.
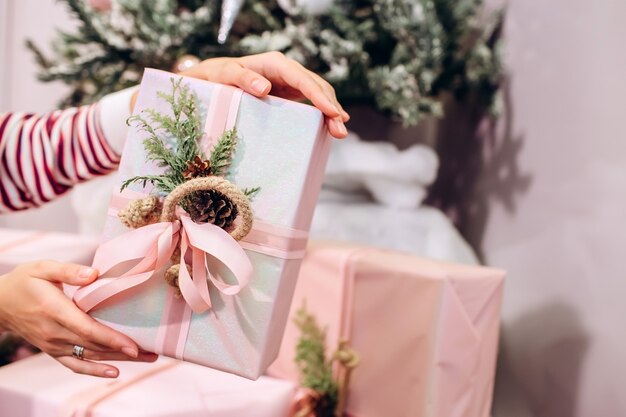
(426,331)
(18,247)
(40,387)
(231,315)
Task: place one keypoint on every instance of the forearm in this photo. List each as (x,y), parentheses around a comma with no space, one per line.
(43,156)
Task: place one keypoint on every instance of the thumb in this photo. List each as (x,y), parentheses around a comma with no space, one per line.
(71,274)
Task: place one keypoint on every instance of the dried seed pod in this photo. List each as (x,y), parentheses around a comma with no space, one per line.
(141,212)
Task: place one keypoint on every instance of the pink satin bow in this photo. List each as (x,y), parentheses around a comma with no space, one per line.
(152,246)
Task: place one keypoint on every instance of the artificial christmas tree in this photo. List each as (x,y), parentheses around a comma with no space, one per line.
(400,56)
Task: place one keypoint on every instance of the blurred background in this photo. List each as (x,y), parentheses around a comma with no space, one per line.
(508,150)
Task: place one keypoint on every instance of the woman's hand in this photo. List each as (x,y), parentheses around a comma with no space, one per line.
(273,72)
(33,305)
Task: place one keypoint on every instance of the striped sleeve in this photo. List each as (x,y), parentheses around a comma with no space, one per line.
(43,156)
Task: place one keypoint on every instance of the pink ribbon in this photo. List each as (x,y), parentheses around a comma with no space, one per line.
(83,403)
(152,246)
(269,239)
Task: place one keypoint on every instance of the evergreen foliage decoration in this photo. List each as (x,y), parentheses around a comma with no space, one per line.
(221,155)
(315,368)
(185,127)
(172,143)
(401,56)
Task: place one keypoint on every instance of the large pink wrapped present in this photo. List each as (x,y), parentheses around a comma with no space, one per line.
(236,299)
(21,246)
(40,387)
(426,331)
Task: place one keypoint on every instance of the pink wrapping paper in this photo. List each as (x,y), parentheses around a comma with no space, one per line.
(426,331)
(41,387)
(22,246)
(282,148)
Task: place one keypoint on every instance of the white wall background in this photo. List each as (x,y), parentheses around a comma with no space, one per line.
(563,241)
(563,237)
(4,41)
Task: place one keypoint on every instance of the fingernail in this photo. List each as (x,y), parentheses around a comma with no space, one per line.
(149,357)
(129,351)
(85,272)
(260,86)
(340,126)
(110,373)
(345,115)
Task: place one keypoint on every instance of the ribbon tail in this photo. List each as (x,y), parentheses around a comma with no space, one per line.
(194,290)
(153,244)
(214,241)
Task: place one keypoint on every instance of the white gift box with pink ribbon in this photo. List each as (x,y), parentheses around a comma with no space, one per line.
(234,306)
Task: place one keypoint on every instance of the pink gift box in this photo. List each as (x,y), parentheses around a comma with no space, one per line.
(426,331)
(22,246)
(40,387)
(282,149)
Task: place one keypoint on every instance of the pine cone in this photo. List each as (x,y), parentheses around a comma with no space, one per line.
(211,207)
(197,168)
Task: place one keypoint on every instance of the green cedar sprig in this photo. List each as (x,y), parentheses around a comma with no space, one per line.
(222,153)
(251,192)
(185,126)
(315,368)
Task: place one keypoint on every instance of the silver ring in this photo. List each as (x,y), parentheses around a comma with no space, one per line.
(78,351)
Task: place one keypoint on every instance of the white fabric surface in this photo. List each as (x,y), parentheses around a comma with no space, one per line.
(114,110)
(90,202)
(373,194)
(392,177)
(424,231)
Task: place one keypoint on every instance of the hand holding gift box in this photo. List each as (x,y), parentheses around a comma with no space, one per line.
(19,247)
(234,296)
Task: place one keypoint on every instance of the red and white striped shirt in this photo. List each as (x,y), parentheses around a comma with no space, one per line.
(43,156)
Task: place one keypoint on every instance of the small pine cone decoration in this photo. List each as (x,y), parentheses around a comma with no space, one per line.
(213,207)
(197,168)
(209,206)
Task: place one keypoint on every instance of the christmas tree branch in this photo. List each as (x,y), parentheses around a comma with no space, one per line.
(401,56)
